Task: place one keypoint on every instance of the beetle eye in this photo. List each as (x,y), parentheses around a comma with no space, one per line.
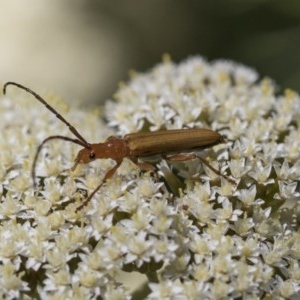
(92,155)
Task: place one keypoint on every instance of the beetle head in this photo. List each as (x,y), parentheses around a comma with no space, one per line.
(84,156)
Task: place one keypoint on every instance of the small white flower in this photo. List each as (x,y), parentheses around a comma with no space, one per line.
(226,212)
(166,290)
(261,173)
(247,196)
(139,249)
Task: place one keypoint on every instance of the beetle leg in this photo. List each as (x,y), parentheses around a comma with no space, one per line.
(146,166)
(185,157)
(107,176)
(179,157)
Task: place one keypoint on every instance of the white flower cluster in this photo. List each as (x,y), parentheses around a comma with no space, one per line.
(211,239)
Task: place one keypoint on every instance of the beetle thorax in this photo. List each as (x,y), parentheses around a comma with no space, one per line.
(113,148)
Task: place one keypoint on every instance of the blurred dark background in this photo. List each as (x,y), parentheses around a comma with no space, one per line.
(82,49)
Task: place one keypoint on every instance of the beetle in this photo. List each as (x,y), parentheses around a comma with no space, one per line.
(170,144)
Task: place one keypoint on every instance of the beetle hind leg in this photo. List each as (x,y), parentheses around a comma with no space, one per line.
(185,156)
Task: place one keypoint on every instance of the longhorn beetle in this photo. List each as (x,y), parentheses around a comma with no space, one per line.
(168,143)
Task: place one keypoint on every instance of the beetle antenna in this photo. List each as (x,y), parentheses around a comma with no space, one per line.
(53,137)
(59,116)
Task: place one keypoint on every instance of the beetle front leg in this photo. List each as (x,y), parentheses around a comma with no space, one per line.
(107,176)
